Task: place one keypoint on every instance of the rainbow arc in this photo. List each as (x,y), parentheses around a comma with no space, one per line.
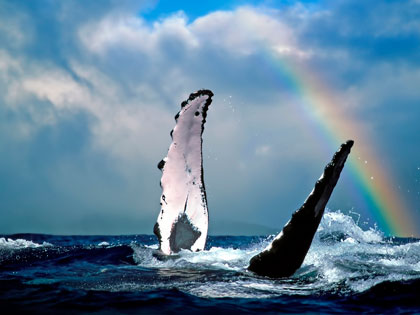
(371,180)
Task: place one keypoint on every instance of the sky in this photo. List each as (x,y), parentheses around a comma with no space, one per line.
(89,90)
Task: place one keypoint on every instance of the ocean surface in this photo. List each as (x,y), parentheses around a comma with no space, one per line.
(347,270)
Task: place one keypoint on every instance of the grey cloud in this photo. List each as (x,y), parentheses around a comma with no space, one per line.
(88,116)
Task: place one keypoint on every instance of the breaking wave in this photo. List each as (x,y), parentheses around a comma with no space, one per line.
(345,264)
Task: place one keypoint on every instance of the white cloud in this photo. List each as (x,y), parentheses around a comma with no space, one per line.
(244,30)
(46,93)
(126,126)
(263,150)
(120,125)
(132,33)
(58,88)
(130,101)
(129,75)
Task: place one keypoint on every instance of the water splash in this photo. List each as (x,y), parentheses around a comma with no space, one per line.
(343,258)
(19,243)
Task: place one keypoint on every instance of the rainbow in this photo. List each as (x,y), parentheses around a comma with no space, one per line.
(372,181)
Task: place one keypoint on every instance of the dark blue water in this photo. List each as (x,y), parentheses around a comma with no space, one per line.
(347,270)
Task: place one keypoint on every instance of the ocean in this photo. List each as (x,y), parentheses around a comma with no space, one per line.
(347,270)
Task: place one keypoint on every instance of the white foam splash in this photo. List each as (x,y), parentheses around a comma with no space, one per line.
(20,243)
(355,261)
(361,259)
(339,222)
(214,258)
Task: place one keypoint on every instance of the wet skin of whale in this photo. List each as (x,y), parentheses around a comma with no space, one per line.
(183,220)
(288,250)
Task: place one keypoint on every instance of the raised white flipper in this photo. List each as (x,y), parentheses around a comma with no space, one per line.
(183,219)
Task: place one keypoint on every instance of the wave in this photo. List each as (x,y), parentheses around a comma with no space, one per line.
(20,254)
(20,243)
(337,226)
(344,259)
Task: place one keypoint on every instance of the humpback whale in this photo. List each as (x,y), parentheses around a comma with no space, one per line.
(183,219)
(288,250)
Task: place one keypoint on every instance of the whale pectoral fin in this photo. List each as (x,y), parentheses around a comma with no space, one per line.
(182,222)
(288,250)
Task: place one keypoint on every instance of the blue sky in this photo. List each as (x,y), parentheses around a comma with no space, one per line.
(88,91)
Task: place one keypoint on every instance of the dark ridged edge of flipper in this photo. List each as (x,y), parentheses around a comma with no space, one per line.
(288,250)
(192,96)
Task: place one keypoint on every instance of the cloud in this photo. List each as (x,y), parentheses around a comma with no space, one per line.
(15,27)
(131,33)
(243,31)
(121,124)
(263,150)
(106,82)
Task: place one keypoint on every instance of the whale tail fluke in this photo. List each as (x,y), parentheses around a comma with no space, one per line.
(288,250)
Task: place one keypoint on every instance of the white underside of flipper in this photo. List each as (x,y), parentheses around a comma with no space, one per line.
(183,219)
